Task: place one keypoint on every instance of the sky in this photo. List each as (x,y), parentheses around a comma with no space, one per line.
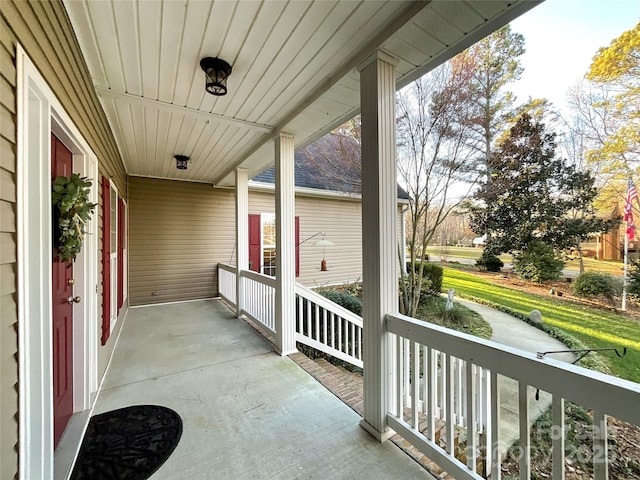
(561,38)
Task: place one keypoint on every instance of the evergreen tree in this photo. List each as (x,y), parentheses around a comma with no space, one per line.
(532,194)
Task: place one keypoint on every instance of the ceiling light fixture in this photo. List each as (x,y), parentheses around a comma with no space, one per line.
(216,73)
(181,161)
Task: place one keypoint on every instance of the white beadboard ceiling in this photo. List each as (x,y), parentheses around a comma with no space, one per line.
(294,69)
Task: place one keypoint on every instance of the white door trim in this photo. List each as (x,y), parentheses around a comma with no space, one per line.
(39,114)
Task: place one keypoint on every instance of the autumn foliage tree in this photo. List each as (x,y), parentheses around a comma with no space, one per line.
(617,69)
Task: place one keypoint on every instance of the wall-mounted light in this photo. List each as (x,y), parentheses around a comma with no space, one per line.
(323,243)
(216,73)
(181,161)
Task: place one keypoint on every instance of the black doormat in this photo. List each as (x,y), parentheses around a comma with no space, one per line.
(129,443)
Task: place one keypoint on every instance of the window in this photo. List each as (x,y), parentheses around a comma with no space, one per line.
(262,243)
(113,253)
(268,221)
(113,256)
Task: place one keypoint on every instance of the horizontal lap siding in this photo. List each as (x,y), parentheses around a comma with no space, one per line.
(44,31)
(341,220)
(8,271)
(179,232)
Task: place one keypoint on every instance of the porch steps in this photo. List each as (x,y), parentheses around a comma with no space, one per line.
(348,387)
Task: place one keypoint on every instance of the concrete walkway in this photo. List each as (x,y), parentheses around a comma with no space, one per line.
(516,333)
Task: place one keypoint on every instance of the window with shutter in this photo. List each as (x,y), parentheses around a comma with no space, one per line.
(262,243)
(106,259)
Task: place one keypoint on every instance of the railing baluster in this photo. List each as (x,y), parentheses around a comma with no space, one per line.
(470,417)
(325,340)
(345,326)
(333,330)
(425,377)
(441,386)
(272,307)
(359,357)
(432,379)
(460,393)
(308,317)
(406,372)
(600,447)
(525,436)
(493,450)
(317,321)
(449,402)
(352,339)
(415,368)
(340,333)
(399,377)
(557,436)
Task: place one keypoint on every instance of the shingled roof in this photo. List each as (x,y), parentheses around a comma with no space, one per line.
(331,163)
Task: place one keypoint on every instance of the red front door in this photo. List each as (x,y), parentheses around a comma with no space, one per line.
(62,287)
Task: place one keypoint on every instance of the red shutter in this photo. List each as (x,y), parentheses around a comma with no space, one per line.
(297,246)
(254,242)
(106,260)
(120,253)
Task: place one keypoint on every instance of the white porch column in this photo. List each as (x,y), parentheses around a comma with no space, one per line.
(379,250)
(285,246)
(242,233)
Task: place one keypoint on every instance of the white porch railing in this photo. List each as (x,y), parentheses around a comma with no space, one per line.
(227,282)
(328,327)
(320,323)
(258,303)
(421,348)
(445,376)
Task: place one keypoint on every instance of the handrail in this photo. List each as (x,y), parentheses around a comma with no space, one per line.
(259,277)
(227,267)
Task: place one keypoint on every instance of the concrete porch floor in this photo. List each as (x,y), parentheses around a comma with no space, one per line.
(247,412)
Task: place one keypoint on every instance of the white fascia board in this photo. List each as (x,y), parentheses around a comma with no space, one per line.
(313,192)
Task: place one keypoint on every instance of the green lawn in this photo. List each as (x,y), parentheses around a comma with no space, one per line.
(614,268)
(595,328)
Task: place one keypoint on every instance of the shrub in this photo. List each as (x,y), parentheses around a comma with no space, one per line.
(425,289)
(594,284)
(634,279)
(431,272)
(538,263)
(489,262)
(350,302)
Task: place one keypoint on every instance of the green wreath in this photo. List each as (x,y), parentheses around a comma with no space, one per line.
(72,210)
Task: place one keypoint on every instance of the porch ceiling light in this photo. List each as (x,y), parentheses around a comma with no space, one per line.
(216,73)
(181,161)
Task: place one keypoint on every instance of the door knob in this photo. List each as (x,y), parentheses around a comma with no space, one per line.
(74,299)
(71,281)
